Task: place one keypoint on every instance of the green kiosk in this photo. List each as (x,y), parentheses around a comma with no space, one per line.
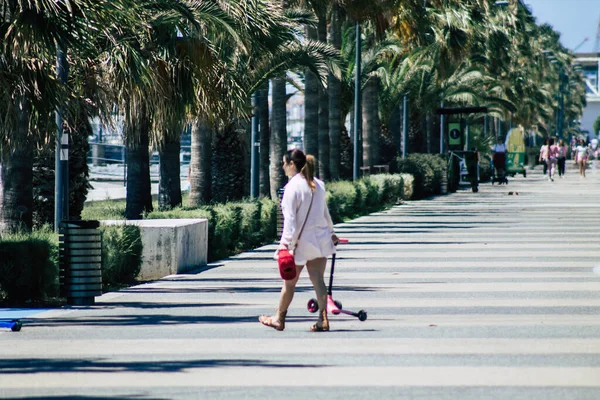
(463,164)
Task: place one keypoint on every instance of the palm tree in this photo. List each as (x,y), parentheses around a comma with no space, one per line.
(29,92)
(265,46)
(311,105)
(200,162)
(334,90)
(265,136)
(278,141)
(323,117)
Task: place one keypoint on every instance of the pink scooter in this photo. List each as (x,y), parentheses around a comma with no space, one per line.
(334,306)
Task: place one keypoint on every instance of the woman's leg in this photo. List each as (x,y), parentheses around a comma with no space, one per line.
(583,166)
(288,289)
(316,272)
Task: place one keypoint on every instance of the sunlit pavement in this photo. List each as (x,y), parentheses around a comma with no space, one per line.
(488,295)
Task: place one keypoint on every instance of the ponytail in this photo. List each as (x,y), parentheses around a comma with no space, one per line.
(305,164)
(308,171)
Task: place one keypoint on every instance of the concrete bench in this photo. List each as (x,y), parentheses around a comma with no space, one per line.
(170,246)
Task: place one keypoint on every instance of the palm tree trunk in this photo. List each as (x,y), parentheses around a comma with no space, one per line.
(169,186)
(139,195)
(16,189)
(311,106)
(323,157)
(370,122)
(264,132)
(278,141)
(395,128)
(428,131)
(200,175)
(16,179)
(376,133)
(335,91)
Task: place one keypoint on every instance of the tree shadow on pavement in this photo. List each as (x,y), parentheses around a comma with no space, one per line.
(232,289)
(75,397)
(100,365)
(151,305)
(239,280)
(139,320)
(400,224)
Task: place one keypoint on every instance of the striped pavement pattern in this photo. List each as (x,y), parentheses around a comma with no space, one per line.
(469,296)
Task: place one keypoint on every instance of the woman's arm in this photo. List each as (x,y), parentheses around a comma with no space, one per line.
(288,208)
(328,219)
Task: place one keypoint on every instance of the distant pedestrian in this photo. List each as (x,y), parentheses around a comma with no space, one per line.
(581,157)
(305,214)
(499,159)
(562,157)
(573,147)
(552,158)
(544,155)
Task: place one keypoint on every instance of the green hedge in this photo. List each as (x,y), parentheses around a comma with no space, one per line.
(29,267)
(121,255)
(428,171)
(232,227)
(347,200)
(29,263)
(239,226)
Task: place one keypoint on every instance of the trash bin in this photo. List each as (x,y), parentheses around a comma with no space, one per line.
(279,213)
(80,261)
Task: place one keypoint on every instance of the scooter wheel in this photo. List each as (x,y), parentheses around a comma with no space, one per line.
(312,306)
(362,315)
(17,326)
(338,304)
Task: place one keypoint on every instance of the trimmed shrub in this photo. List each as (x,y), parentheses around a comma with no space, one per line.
(347,200)
(232,227)
(340,200)
(29,267)
(408,190)
(428,171)
(393,186)
(121,255)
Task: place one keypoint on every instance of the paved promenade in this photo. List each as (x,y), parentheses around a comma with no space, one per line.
(469,296)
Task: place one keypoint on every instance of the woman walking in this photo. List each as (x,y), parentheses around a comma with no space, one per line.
(562,157)
(544,155)
(305,214)
(552,158)
(582,156)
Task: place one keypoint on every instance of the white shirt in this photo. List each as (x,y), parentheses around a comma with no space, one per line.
(581,150)
(499,148)
(316,240)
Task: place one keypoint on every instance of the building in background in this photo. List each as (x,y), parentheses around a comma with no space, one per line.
(590,63)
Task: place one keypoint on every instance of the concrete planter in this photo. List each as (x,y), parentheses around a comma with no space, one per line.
(171,246)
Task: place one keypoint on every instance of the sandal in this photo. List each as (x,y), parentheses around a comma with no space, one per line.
(270,321)
(322,325)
